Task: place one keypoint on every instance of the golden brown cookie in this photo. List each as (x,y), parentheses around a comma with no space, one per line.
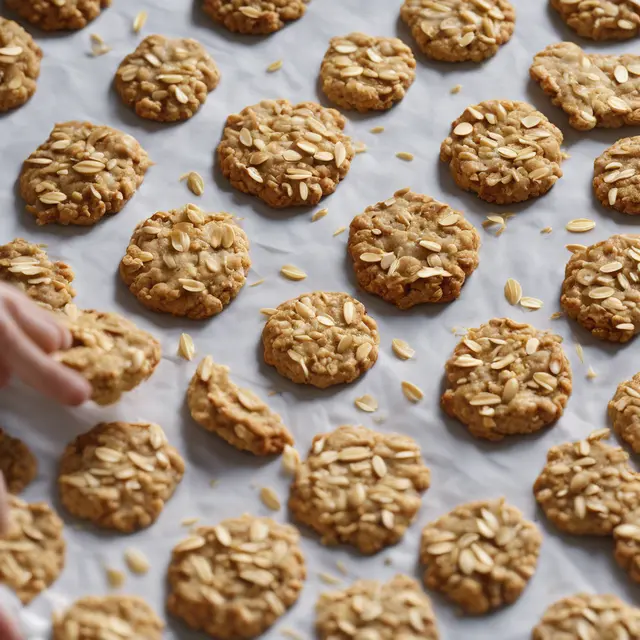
(624,412)
(601,288)
(32,551)
(18,465)
(504,151)
(589,617)
(412,249)
(506,378)
(371,609)
(601,19)
(616,176)
(594,90)
(378,497)
(235,414)
(119,475)
(58,15)
(460,30)
(109,351)
(19,65)
(627,539)
(236,579)
(586,487)
(81,173)
(28,267)
(367,73)
(187,262)
(166,79)
(321,338)
(254,17)
(286,154)
(481,555)
(108,617)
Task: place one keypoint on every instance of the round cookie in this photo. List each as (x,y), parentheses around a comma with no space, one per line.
(91,618)
(237,415)
(378,497)
(480,555)
(459,30)
(119,475)
(187,262)
(589,617)
(321,338)
(624,412)
(32,551)
(18,465)
(56,15)
(236,579)
(166,79)
(82,172)
(254,17)
(627,538)
(586,487)
(504,151)
(601,288)
(506,378)
(601,19)
(109,351)
(616,176)
(412,249)
(370,609)
(27,266)
(367,73)
(287,155)
(19,65)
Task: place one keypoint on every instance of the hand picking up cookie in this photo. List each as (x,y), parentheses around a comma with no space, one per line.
(58,15)
(235,414)
(601,19)
(594,90)
(412,249)
(255,17)
(504,151)
(109,351)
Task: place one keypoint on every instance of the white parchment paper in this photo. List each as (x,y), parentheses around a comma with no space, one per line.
(74,85)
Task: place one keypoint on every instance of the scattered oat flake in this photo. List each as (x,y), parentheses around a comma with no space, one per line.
(376,130)
(338,231)
(388,561)
(574,248)
(531,303)
(405,155)
(139,21)
(213,482)
(366,403)
(195,183)
(327,578)
(98,46)
(136,561)
(342,568)
(186,348)
(411,391)
(513,291)
(115,577)
(268,311)
(187,522)
(270,498)
(546,230)
(456,89)
(580,352)
(492,220)
(359,147)
(257,283)
(290,459)
(557,315)
(591,374)
(580,225)
(291,634)
(402,349)
(291,272)
(274,66)
(319,214)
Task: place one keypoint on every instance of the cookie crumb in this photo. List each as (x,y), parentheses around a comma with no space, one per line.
(546,230)
(274,66)
(455,89)
(136,561)
(139,21)
(376,130)
(404,155)
(115,577)
(319,214)
(270,499)
(591,374)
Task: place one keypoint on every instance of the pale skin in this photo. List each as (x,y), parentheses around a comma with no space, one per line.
(28,337)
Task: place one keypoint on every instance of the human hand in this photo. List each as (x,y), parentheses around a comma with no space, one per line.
(8,629)
(28,334)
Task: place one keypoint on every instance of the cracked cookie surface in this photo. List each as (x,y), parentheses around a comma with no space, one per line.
(255,17)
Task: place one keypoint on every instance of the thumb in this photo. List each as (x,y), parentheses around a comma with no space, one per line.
(8,631)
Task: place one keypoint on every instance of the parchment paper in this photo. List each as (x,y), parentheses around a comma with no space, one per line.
(74,85)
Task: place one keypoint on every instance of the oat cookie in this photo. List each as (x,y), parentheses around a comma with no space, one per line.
(28,267)
(81,173)
(235,414)
(586,487)
(616,176)
(109,351)
(255,17)
(367,73)
(412,249)
(460,30)
(321,338)
(58,15)
(19,65)
(481,555)
(601,288)
(627,549)
(32,551)
(378,497)
(166,79)
(601,19)
(589,617)
(187,262)
(119,475)
(594,90)
(370,609)
(286,154)
(17,464)
(236,579)
(624,412)
(506,378)
(94,618)
(504,151)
